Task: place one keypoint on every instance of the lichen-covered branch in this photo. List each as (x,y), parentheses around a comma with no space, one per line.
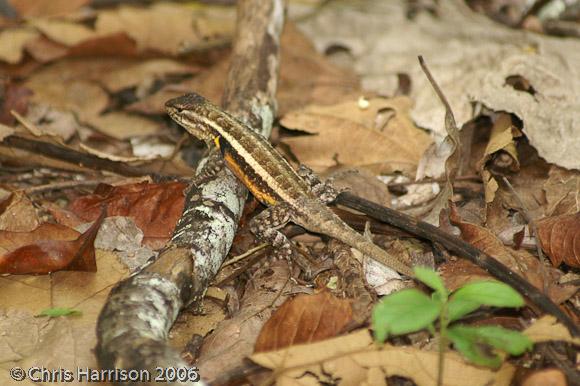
(134,324)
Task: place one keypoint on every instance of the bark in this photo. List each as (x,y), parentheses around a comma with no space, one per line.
(133,326)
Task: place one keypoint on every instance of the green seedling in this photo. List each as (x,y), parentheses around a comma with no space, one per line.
(411,310)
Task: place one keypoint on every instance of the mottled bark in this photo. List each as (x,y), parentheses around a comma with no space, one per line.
(134,324)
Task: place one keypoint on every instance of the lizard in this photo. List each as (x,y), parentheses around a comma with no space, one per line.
(290,195)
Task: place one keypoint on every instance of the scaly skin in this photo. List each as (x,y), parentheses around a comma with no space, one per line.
(268,175)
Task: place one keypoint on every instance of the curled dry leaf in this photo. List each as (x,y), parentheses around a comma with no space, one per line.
(48,248)
(305,319)
(559,237)
(501,139)
(155,208)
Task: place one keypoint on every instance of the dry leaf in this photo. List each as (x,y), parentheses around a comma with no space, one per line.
(48,248)
(82,97)
(305,319)
(45,50)
(386,139)
(381,36)
(456,273)
(149,26)
(560,238)
(147,71)
(562,191)
(325,84)
(60,342)
(521,262)
(155,208)
(234,338)
(122,125)
(40,8)
(544,377)
(14,98)
(63,32)
(18,214)
(501,139)
(363,184)
(12,42)
(355,360)
(547,329)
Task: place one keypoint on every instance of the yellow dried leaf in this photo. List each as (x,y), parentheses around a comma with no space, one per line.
(12,42)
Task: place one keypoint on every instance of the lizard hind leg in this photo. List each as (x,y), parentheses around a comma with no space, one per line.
(266,227)
(324,190)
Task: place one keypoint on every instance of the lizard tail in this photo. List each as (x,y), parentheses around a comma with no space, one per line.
(330,224)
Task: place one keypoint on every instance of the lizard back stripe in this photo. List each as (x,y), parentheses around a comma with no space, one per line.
(274,170)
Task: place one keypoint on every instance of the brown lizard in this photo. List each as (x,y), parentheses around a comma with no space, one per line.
(291,196)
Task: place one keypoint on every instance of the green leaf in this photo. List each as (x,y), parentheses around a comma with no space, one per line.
(489,293)
(431,279)
(403,312)
(475,343)
(470,347)
(58,311)
(457,308)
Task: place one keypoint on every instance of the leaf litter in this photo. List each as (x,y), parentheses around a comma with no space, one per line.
(96,83)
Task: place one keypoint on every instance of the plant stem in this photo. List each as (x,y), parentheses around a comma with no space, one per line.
(442,342)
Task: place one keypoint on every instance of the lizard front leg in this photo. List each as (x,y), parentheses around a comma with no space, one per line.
(324,190)
(215,163)
(266,227)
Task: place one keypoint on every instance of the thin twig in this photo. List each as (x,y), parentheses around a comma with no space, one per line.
(70,185)
(248,253)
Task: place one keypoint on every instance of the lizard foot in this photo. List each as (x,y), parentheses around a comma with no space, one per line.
(266,227)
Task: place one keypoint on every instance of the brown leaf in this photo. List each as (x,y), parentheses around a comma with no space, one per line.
(305,319)
(64,32)
(143,72)
(82,97)
(17,214)
(14,98)
(163,27)
(562,187)
(53,248)
(559,237)
(386,138)
(326,84)
(32,8)
(113,44)
(521,262)
(45,50)
(155,208)
(456,273)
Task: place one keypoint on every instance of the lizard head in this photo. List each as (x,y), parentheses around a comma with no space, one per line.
(193,112)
